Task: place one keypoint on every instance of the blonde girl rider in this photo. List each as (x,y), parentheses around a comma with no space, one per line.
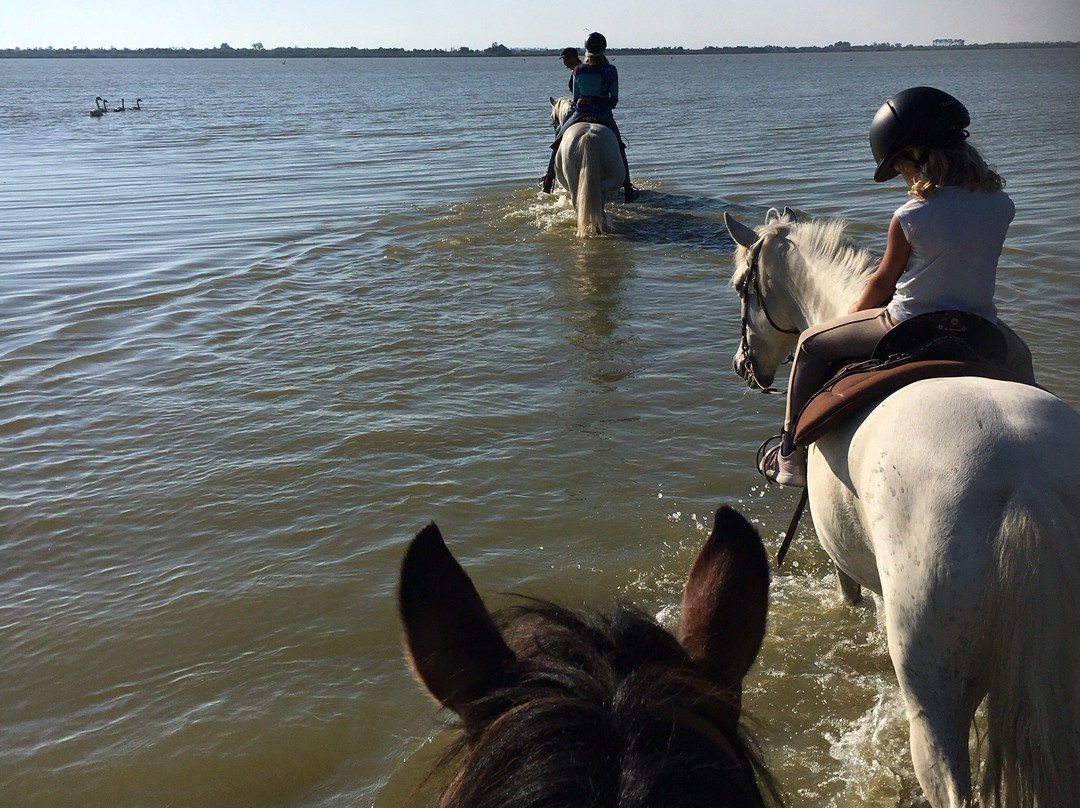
(942,252)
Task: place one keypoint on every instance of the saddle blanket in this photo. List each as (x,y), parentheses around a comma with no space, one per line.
(863,383)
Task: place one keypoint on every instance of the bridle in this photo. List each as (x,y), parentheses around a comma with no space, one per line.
(751,282)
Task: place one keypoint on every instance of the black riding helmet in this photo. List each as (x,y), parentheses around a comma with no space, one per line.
(595,43)
(919,116)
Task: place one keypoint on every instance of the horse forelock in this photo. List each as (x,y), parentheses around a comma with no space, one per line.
(742,260)
(605,710)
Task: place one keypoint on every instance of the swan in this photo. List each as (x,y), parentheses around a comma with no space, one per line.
(120,108)
(135,108)
(98,110)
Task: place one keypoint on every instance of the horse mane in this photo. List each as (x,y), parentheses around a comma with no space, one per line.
(824,240)
(604,711)
(560,107)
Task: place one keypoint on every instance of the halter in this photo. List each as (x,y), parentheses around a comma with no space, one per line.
(752,282)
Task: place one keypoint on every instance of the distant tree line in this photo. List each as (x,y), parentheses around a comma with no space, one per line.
(258,51)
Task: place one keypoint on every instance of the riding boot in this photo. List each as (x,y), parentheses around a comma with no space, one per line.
(784,464)
(548,180)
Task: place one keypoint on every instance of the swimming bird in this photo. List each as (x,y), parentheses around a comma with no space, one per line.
(120,108)
(135,108)
(98,110)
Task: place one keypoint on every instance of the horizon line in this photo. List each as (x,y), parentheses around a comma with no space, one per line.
(496,48)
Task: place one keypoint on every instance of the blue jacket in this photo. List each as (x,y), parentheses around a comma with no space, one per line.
(596,89)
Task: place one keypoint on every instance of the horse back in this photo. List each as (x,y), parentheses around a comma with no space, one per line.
(940,463)
(569,157)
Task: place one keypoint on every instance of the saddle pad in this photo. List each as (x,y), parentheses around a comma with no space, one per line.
(848,391)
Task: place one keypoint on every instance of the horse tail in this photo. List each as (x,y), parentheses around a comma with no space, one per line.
(590,191)
(1033,698)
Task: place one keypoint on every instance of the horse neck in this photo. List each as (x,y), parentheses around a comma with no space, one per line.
(562,108)
(823,284)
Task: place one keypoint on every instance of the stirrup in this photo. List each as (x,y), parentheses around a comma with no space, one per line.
(763,452)
(771,457)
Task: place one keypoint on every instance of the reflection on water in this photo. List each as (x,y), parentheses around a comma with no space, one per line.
(592,297)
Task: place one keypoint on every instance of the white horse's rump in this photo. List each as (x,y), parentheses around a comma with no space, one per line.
(958,501)
(588,164)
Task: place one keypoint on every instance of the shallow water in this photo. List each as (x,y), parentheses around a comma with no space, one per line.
(257,334)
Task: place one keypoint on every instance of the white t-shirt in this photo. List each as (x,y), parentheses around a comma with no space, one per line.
(956,239)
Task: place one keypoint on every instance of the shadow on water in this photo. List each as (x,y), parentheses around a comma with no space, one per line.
(678,220)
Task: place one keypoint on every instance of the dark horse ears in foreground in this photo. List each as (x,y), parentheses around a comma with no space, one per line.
(585,709)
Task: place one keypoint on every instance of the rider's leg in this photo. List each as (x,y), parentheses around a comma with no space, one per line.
(548,180)
(628,186)
(821,348)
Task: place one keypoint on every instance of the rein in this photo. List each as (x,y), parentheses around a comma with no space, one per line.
(793,525)
(752,282)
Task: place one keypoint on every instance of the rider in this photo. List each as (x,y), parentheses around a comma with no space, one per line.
(595,88)
(570,60)
(942,252)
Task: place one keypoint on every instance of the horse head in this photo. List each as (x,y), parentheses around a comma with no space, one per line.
(559,109)
(769,318)
(588,708)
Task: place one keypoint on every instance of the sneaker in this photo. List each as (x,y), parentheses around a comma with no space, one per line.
(547,182)
(789,469)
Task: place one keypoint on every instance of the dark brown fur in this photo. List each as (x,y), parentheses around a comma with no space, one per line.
(588,710)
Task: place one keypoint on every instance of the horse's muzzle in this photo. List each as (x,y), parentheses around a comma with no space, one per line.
(744,366)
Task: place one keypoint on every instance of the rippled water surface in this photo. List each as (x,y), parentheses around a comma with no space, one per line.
(255,335)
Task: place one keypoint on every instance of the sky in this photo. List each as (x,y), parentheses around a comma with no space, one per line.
(477,24)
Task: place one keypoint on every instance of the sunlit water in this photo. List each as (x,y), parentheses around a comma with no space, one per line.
(257,334)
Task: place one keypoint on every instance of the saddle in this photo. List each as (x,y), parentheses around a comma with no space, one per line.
(934,345)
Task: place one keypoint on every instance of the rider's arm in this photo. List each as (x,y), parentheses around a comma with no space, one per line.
(881,285)
(613,88)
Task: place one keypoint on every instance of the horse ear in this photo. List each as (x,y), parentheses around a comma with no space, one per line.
(787,216)
(551,100)
(742,234)
(453,645)
(725,600)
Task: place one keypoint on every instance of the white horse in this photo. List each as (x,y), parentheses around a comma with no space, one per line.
(588,164)
(957,500)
